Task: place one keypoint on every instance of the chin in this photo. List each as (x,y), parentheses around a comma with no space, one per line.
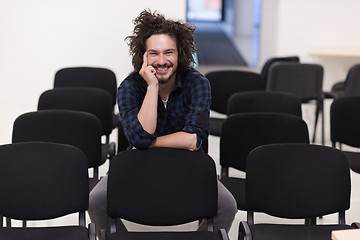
(163,81)
(166,79)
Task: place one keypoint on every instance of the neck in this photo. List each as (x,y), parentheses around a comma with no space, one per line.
(166,88)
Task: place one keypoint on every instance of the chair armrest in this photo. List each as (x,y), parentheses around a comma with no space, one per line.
(244,231)
(223,234)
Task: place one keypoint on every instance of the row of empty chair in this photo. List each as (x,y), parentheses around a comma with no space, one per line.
(79,111)
(280,74)
(256,117)
(261,118)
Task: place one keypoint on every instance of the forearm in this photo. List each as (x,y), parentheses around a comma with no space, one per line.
(147,115)
(180,140)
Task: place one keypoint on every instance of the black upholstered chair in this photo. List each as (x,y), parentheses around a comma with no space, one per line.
(91,100)
(344,128)
(79,129)
(349,87)
(223,85)
(264,101)
(43,181)
(266,67)
(162,187)
(242,132)
(303,80)
(296,181)
(94,77)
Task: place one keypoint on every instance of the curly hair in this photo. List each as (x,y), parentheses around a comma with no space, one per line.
(148,24)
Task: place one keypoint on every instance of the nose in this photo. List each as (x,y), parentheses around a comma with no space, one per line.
(162,59)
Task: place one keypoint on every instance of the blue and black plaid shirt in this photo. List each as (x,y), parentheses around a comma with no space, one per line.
(187,108)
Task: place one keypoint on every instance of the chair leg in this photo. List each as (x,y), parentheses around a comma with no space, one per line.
(316,121)
(322,124)
(8,222)
(319,110)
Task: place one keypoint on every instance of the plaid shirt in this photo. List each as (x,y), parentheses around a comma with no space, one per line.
(187,108)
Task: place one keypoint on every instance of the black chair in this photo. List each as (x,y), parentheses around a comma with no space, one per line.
(349,87)
(296,181)
(79,129)
(162,187)
(42,181)
(303,80)
(94,77)
(223,85)
(266,67)
(264,101)
(91,100)
(242,132)
(345,130)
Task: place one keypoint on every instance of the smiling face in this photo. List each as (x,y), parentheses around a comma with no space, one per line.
(163,56)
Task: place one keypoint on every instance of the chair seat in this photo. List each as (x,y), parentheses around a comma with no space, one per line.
(196,235)
(294,232)
(215,126)
(53,233)
(354,160)
(237,188)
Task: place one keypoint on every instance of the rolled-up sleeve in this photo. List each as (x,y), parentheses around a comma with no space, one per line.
(197,120)
(129,100)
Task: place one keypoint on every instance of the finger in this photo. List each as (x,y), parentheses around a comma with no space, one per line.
(145,59)
(153,71)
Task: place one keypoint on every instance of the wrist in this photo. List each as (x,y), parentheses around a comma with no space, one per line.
(153,87)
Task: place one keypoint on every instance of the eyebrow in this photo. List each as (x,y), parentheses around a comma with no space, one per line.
(170,49)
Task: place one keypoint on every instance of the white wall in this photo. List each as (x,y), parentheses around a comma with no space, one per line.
(38,37)
(243,22)
(296,26)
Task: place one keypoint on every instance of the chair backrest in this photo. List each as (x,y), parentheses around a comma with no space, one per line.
(242,132)
(265,69)
(92,77)
(162,186)
(94,101)
(352,82)
(344,121)
(40,181)
(297,180)
(264,101)
(227,82)
(79,129)
(301,79)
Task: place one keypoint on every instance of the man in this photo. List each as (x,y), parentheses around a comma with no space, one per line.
(164,103)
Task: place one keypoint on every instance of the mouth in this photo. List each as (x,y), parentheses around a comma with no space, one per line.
(162,69)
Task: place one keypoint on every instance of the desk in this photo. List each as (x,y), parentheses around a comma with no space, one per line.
(351,234)
(336,52)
